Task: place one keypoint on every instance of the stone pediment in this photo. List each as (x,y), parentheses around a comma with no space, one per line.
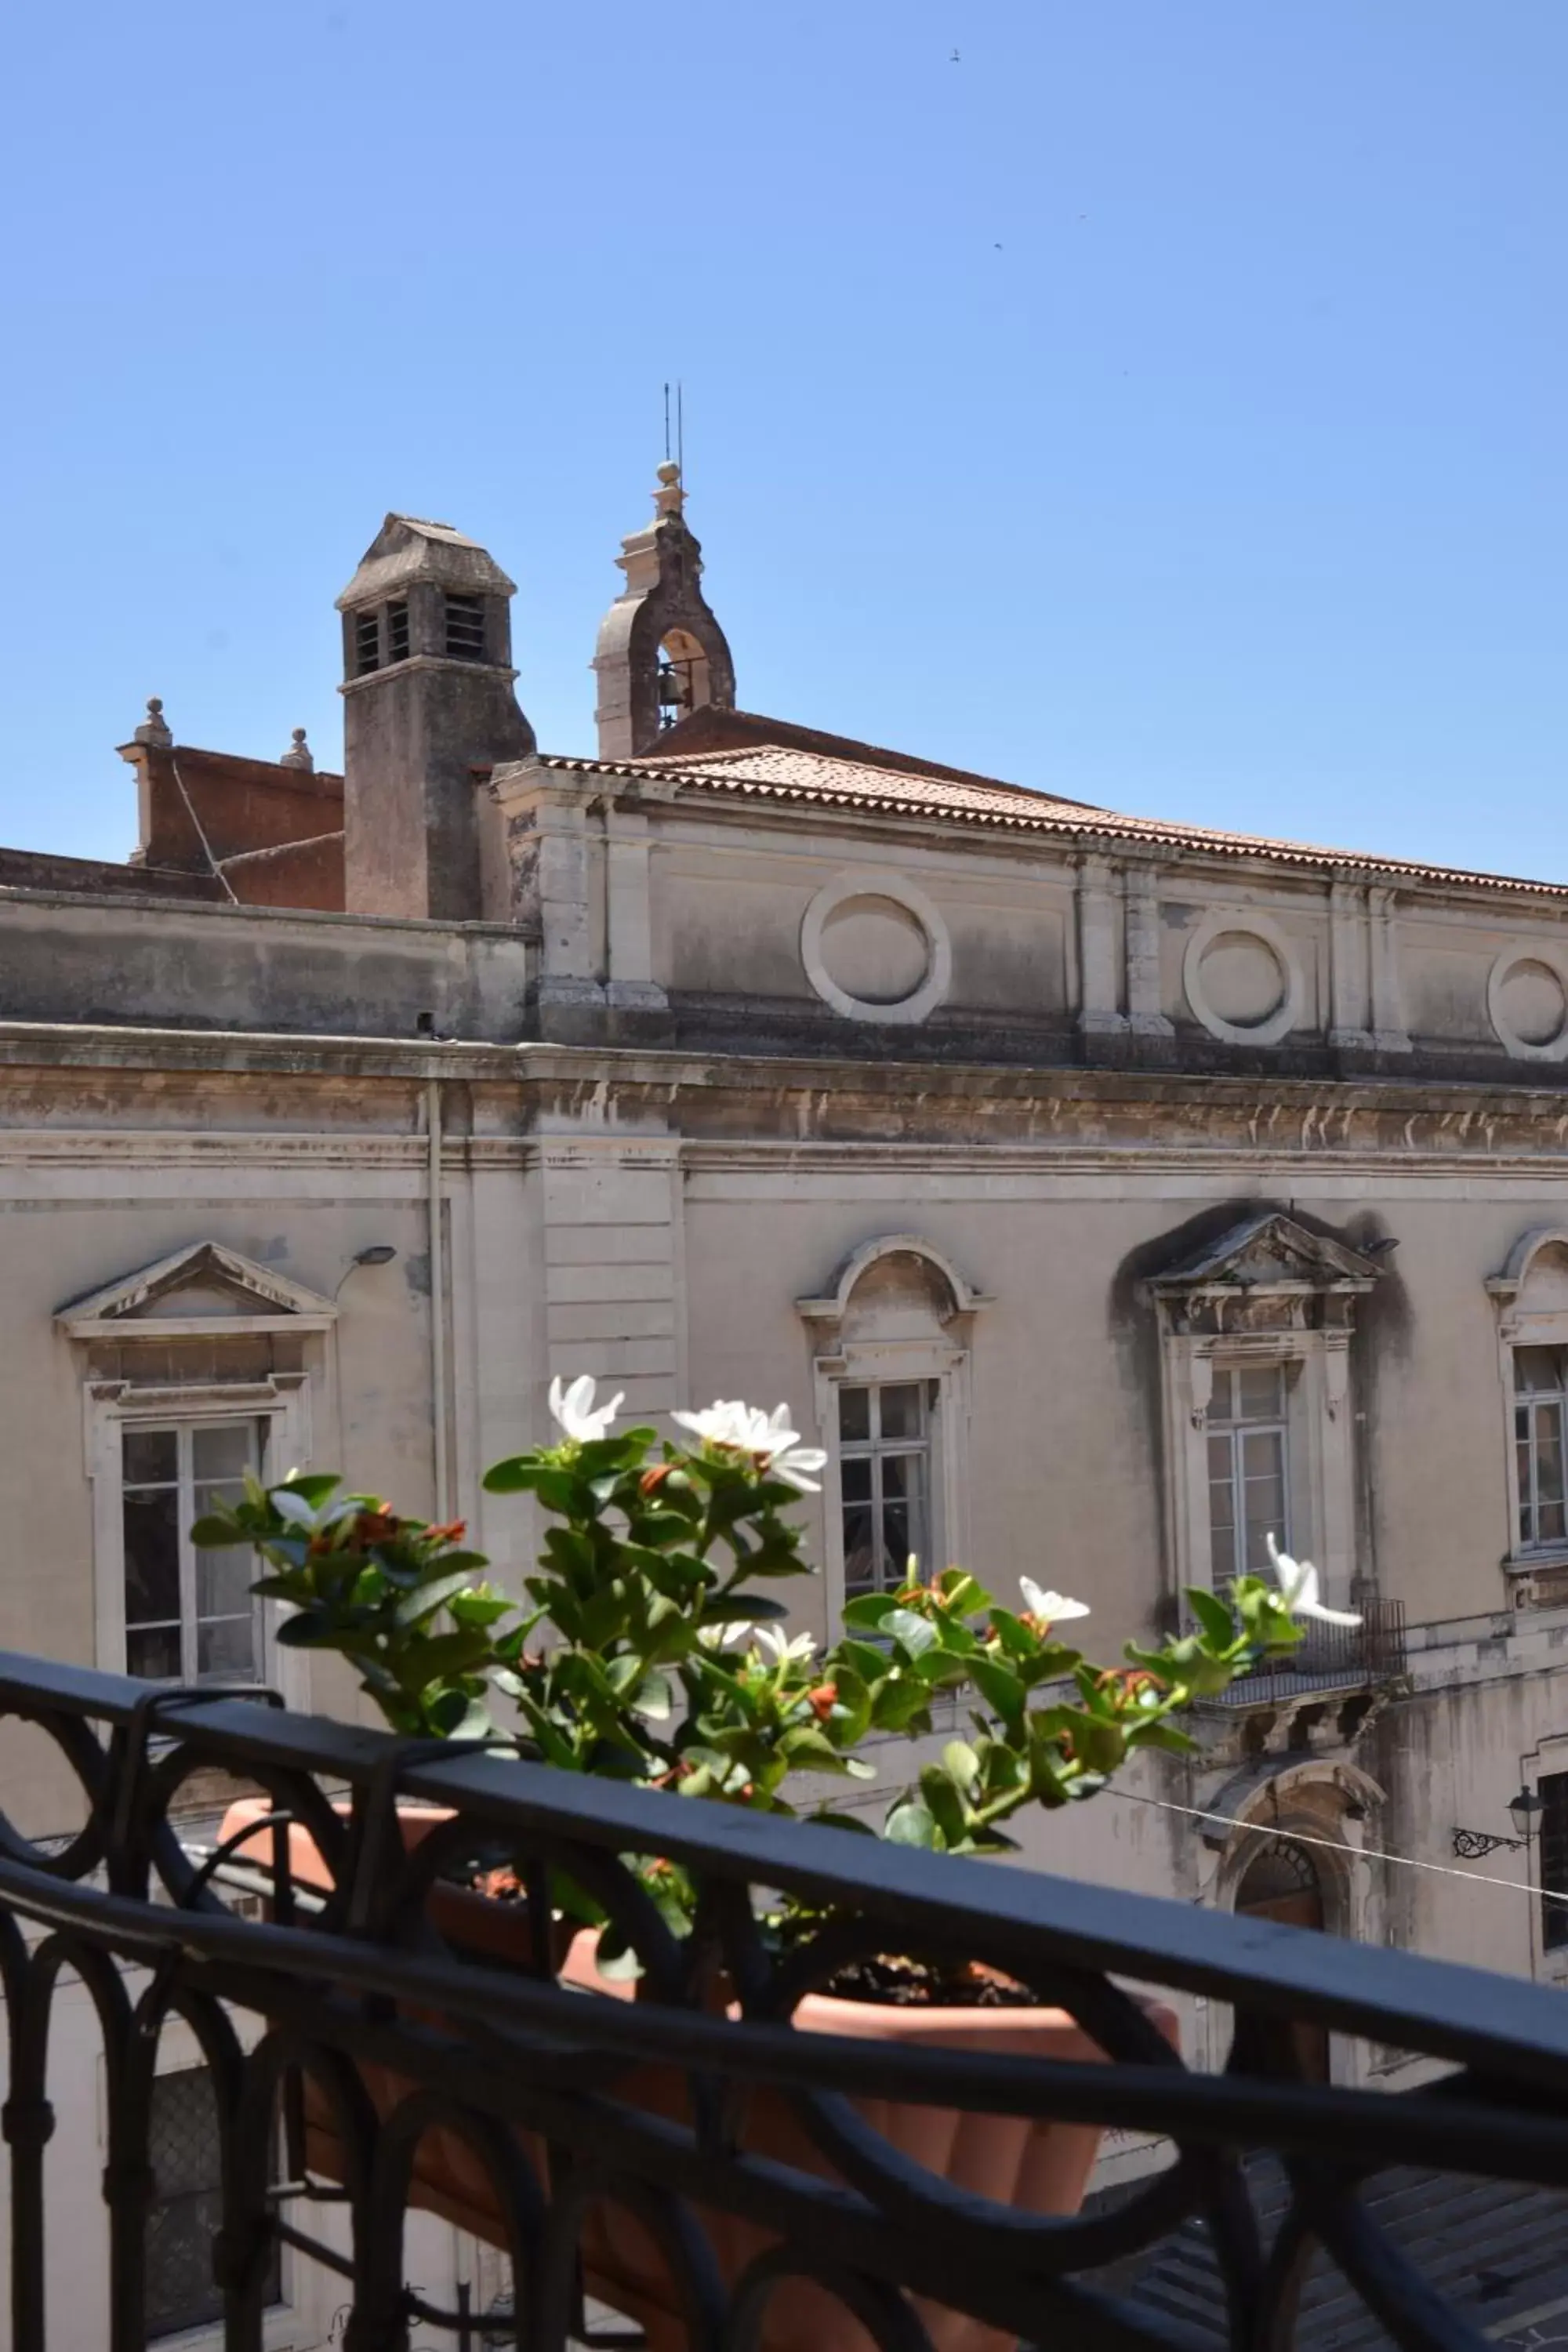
(1270,1251)
(203,1289)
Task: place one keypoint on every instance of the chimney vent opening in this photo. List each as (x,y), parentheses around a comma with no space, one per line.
(465,628)
(397,631)
(367,642)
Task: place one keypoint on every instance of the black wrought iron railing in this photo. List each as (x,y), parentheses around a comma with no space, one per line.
(1331,1657)
(693,2156)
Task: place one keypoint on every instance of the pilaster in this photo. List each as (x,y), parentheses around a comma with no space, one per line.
(545,819)
(1146,1014)
(1349,951)
(1099,1014)
(1388,1031)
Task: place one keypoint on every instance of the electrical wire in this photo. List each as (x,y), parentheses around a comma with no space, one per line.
(1337,1845)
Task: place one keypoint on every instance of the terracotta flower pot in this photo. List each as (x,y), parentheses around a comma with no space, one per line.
(1033,2166)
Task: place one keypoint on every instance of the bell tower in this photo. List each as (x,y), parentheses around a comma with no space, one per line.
(661,654)
(428,699)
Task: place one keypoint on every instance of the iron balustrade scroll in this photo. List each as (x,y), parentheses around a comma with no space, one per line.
(351,1991)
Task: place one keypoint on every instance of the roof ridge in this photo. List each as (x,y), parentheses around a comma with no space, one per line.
(1025,809)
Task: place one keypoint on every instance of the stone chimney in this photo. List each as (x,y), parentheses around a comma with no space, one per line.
(661,654)
(428,696)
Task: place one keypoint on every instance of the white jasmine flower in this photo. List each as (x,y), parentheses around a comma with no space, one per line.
(574,1409)
(719,1637)
(769,1438)
(1298,1589)
(1050,1608)
(784,1650)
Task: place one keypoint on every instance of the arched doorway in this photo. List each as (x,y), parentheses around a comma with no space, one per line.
(1282,1882)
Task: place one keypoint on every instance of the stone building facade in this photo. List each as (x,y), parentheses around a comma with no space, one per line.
(1101,1193)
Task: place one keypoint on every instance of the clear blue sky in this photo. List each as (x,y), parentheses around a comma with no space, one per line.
(1165,403)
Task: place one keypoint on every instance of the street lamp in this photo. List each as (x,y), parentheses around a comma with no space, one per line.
(1471,1845)
(1522,1811)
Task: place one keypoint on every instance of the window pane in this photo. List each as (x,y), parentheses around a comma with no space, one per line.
(225,1647)
(224,1579)
(1222,1399)
(1220,1460)
(900,1476)
(1262,1392)
(900,1410)
(896,1544)
(187,2212)
(853,1415)
(1538,1370)
(1222,1564)
(855,1478)
(1263,1494)
(150,1456)
(1552,1791)
(860,1550)
(153,1651)
(152,1555)
(221,1450)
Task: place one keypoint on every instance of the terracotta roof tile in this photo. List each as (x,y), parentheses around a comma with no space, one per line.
(786,774)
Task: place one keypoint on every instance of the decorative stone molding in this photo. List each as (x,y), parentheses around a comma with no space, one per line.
(884,893)
(1527,1003)
(203,1291)
(1246,925)
(833,1305)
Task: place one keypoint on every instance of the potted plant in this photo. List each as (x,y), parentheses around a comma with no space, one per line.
(651,1649)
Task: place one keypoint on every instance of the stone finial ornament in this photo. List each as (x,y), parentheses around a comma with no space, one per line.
(670,498)
(299,754)
(154,729)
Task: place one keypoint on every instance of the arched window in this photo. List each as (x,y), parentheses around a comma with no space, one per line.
(1532,1298)
(892,1404)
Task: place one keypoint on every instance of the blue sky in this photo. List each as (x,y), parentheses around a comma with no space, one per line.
(1164,403)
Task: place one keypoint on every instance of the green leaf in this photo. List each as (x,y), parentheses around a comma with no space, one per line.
(210,1534)
(1212,1615)
(912,1824)
(293,1506)
(426,1599)
(962,1763)
(866,1611)
(315,1486)
(1001,1690)
(913,1634)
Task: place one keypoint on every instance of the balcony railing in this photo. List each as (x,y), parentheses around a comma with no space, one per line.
(1331,1657)
(358,2012)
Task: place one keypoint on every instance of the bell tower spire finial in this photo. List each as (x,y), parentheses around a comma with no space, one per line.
(661,654)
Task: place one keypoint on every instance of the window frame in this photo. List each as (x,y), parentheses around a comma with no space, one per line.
(1528,1403)
(1238,1429)
(877,1449)
(280,1406)
(944,1371)
(1526,1321)
(187,1487)
(1319,1497)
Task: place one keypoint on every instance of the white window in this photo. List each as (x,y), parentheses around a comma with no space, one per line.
(884,1481)
(1257,1329)
(1532,1298)
(893,1333)
(1540,1429)
(189,1614)
(1248,1468)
